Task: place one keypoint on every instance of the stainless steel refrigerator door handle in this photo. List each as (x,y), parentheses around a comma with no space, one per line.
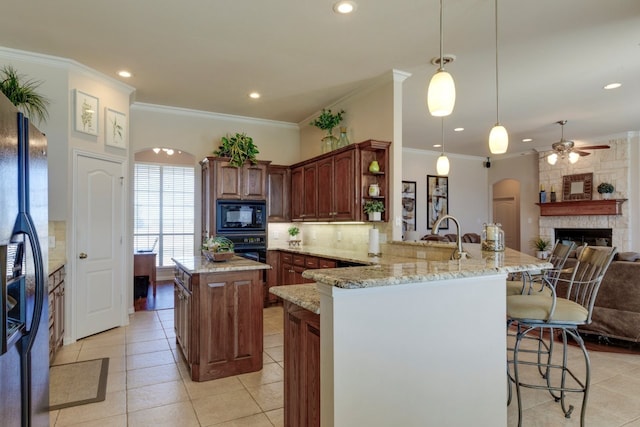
(82,255)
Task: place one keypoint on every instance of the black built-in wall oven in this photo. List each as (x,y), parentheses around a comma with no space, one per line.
(245,224)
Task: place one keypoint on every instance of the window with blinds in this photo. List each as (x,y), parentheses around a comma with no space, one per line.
(164,209)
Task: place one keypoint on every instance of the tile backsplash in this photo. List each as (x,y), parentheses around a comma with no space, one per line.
(333,235)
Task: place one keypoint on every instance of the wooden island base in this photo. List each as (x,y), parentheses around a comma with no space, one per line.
(218,318)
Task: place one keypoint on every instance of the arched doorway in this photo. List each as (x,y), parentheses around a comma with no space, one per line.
(506,210)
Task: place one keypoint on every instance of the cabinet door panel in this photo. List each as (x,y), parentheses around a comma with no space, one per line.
(214,324)
(228,181)
(297,193)
(326,184)
(278,189)
(344,180)
(310,195)
(254,180)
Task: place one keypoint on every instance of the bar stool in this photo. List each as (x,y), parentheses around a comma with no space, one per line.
(532,283)
(535,314)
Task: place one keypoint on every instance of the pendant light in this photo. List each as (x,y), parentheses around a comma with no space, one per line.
(498,137)
(441,94)
(442,165)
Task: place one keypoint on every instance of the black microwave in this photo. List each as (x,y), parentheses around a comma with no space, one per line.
(236,216)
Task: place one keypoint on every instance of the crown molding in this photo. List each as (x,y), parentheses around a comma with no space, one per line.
(437,153)
(164,109)
(63,63)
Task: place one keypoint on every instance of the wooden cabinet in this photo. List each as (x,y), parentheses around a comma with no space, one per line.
(333,186)
(279,189)
(302,367)
(220,180)
(368,152)
(246,183)
(56,311)
(182,313)
(219,322)
(287,269)
(297,190)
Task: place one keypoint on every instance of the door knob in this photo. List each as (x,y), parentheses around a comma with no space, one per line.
(82,255)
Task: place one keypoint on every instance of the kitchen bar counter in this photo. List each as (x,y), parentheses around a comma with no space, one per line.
(415,322)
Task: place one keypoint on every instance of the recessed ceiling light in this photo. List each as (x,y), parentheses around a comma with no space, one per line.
(124,73)
(254,95)
(344,7)
(527,140)
(437,145)
(458,129)
(613,86)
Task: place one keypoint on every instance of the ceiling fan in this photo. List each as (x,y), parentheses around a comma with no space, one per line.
(563,148)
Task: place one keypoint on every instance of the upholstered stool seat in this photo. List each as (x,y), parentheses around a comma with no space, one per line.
(538,307)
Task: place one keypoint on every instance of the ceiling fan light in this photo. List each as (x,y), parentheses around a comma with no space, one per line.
(574,157)
(441,94)
(498,140)
(442,165)
(552,159)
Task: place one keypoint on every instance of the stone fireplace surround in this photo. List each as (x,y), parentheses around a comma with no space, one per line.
(610,165)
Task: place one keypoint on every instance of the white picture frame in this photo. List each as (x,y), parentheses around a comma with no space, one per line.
(86,113)
(115,128)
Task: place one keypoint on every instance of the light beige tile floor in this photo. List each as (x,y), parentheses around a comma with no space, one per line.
(148,384)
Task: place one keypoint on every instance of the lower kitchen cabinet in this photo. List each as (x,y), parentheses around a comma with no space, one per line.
(56,311)
(287,269)
(302,367)
(218,322)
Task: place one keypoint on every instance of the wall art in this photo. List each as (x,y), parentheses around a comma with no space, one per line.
(408,206)
(115,128)
(437,200)
(86,113)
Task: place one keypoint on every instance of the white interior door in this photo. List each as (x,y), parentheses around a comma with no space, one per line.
(98,299)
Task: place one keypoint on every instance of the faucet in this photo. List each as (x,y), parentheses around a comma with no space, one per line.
(459,253)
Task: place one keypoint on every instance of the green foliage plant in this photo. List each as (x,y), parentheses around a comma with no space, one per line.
(22,93)
(605,187)
(540,243)
(239,148)
(293,230)
(373,206)
(327,120)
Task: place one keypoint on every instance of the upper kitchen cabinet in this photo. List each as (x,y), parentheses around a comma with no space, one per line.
(279,189)
(374,179)
(232,183)
(333,186)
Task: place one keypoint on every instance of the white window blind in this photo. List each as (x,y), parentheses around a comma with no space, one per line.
(164,209)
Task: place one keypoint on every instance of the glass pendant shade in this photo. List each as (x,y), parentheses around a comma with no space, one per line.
(573,157)
(441,94)
(552,159)
(498,140)
(442,166)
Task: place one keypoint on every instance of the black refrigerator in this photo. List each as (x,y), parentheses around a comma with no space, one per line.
(24,334)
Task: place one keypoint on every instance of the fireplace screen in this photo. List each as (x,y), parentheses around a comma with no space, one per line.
(580,236)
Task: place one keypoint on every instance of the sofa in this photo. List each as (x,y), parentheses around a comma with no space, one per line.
(616,313)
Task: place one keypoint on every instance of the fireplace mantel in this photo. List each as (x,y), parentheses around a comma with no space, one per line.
(582,207)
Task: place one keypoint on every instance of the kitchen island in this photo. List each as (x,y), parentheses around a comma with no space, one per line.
(218,316)
(412,343)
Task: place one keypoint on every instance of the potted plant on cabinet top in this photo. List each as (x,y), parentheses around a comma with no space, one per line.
(327,121)
(606,190)
(239,148)
(22,94)
(541,245)
(374,209)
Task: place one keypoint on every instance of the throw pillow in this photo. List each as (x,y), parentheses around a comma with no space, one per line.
(628,256)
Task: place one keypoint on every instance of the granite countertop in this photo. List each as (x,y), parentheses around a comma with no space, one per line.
(393,270)
(411,270)
(199,264)
(305,296)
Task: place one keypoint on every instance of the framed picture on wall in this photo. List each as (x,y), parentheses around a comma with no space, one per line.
(408,206)
(86,113)
(437,200)
(115,129)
